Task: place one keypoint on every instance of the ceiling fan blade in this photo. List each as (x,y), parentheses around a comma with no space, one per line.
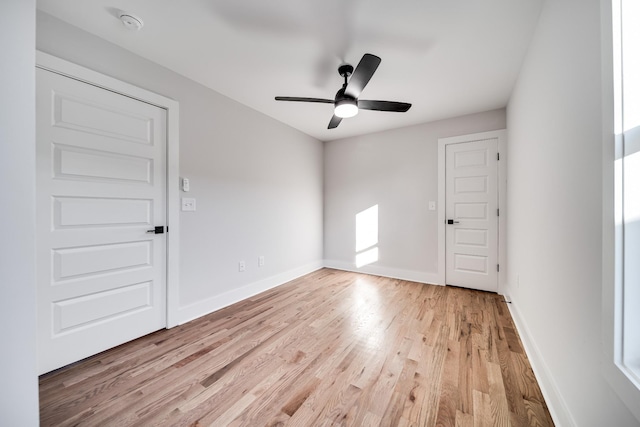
(298,99)
(399,107)
(335,121)
(362,74)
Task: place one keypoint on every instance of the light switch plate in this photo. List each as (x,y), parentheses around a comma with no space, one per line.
(432,205)
(188,204)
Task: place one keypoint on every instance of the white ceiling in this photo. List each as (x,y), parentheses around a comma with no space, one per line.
(446,57)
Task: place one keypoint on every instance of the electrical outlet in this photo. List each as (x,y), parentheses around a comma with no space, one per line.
(261,261)
(241,266)
(188,204)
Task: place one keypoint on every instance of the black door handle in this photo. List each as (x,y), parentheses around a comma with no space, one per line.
(157,230)
(450,221)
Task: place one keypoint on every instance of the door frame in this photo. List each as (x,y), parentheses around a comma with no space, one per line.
(501,136)
(86,75)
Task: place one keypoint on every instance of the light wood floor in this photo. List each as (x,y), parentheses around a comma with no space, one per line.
(330,348)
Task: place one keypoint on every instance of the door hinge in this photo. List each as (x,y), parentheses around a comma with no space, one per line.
(498,211)
(498,156)
(498,267)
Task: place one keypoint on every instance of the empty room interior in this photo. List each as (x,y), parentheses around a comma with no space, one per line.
(320,213)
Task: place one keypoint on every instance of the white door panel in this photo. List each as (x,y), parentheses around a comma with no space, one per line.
(101,168)
(70,212)
(471,186)
(471,237)
(476,264)
(114,119)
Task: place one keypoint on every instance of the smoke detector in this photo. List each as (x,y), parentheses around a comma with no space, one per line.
(131,21)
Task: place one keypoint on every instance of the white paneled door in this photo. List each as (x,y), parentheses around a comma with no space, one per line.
(101,160)
(472,214)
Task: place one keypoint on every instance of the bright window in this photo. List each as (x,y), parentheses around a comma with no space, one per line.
(630,187)
(621,278)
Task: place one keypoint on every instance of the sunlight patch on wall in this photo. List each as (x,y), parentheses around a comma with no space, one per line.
(367,257)
(367,236)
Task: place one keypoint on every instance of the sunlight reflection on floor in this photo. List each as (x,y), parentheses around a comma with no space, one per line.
(367,313)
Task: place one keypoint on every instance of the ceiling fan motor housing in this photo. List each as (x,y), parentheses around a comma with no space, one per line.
(345,70)
(341,96)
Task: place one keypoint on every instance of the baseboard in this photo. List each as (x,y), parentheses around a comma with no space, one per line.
(201,308)
(394,273)
(556,404)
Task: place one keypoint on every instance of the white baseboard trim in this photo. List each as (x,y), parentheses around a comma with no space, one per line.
(201,308)
(556,404)
(394,273)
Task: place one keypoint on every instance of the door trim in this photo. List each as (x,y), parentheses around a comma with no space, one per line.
(501,136)
(86,75)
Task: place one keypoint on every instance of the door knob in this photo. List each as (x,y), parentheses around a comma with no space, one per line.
(157,230)
(450,221)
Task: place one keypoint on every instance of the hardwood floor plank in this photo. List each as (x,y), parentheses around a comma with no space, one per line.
(464,420)
(329,348)
(402,394)
(481,409)
(285,395)
(465,372)
(448,403)
(292,406)
(499,406)
(537,413)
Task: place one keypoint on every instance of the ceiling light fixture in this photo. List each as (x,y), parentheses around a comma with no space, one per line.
(346,103)
(346,108)
(130,21)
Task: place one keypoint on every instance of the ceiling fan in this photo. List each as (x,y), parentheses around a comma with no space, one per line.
(346,103)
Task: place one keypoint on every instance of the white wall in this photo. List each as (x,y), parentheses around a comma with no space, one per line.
(398,171)
(257,182)
(19,390)
(555,212)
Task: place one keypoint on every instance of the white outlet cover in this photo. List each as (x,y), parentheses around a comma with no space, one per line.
(188,204)
(432,205)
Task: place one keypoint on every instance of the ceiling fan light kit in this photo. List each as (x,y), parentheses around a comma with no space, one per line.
(346,108)
(346,103)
